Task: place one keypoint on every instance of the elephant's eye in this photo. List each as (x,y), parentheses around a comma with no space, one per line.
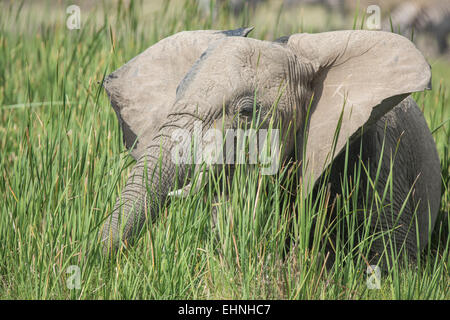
(248,109)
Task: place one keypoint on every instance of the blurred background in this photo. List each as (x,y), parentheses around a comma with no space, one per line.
(427,22)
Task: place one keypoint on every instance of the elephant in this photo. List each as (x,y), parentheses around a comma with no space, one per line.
(333,90)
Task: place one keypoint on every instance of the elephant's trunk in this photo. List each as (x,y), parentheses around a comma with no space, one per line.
(147,186)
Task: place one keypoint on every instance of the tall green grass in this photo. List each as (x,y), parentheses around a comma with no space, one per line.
(63,164)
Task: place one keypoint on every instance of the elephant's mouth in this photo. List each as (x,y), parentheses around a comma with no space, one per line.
(194,186)
(257,150)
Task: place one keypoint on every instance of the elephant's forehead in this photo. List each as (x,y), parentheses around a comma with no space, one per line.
(235,65)
(238,52)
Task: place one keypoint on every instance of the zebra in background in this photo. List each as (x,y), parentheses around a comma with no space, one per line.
(236,6)
(331,5)
(429,17)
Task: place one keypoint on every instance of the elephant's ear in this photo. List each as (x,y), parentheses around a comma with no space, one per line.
(360,75)
(143,90)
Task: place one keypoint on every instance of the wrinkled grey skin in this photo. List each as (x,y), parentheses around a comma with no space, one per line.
(228,73)
(409,146)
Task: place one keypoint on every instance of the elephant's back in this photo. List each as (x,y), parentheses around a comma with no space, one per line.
(416,161)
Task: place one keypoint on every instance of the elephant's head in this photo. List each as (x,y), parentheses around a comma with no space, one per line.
(305,86)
